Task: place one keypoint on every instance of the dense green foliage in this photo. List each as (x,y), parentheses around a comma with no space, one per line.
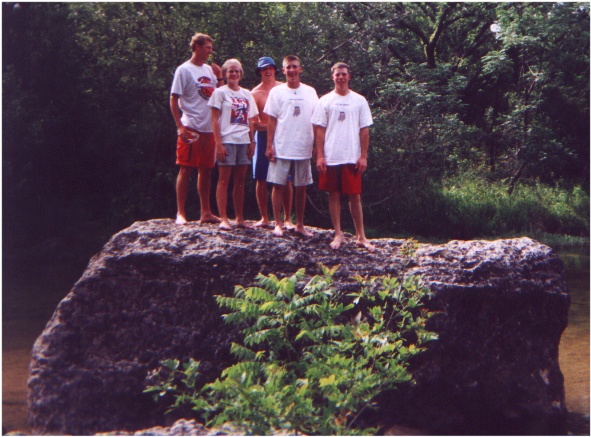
(495,89)
(312,359)
(470,206)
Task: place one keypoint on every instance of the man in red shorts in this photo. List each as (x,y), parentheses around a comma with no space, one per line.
(192,86)
(343,119)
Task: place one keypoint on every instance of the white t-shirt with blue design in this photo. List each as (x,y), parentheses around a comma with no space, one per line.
(343,117)
(293,108)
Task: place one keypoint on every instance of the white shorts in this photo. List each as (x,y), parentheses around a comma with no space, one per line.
(298,169)
(236,155)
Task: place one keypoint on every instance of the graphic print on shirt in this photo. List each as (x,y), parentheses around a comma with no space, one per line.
(342,114)
(204,87)
(296,102)
(239,114)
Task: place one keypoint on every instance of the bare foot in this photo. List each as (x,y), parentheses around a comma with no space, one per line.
(180,220)
(225,225)
(209,218)
(289,226)
(336,242)
(303,231)
(243,224)
(278,231)
(262,223)
(365,243)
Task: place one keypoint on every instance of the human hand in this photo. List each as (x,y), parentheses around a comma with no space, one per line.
(221,153)
(270,154)
(216,69)
(321,164)
(181,131)
(250,150)
(361,165)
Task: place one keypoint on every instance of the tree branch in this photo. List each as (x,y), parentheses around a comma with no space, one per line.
(334,49)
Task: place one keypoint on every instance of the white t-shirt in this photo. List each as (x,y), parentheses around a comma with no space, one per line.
(237,107)
(194,85)
(343,117)
(293,108)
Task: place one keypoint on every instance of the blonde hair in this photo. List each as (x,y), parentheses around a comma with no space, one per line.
(230,62)
(340,65)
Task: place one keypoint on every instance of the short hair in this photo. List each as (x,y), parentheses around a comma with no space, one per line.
(340,65)
(290,58)
(230,62)
(200,39)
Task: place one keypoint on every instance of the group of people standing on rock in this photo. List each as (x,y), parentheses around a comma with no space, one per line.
(276,125)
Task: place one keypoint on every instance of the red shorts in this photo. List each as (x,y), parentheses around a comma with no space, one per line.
(340,178)
(199,154)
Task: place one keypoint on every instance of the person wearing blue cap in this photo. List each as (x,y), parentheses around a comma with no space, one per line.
(267,71)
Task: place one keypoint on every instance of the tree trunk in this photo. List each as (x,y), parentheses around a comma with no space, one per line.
(515,177)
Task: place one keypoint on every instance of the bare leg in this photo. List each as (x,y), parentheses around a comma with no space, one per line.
(357,214)
(239,176)
(182,191)
(221,194)
(262,194)
(204,187)
(276,199)
(287,204)
(334,206)
(300,204)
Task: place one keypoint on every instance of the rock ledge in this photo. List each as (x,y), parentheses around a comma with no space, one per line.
(148,295)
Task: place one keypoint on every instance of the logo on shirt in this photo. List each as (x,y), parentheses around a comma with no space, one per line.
(204,87)
(297,103)
(342,113)
(239,113)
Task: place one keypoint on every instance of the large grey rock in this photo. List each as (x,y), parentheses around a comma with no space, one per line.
(500,306)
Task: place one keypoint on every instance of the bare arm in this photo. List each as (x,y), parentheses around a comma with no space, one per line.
(361,165)
(251,146)
(320,137)
(176,114)
(271,128)
(220,150)
(218,73)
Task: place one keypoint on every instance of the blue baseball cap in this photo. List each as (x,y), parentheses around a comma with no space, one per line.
(263,62)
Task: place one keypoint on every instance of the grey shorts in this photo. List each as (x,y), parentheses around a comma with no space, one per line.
(298,169)
(236,155)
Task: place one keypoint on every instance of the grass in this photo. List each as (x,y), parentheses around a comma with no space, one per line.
(470,207)
(486,208)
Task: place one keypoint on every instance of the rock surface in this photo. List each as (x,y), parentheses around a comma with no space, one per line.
(148,295)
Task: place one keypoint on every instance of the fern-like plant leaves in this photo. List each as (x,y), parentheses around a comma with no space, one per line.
(308,363)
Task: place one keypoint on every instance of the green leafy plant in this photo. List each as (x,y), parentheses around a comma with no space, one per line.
(409,248)
(313,357)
